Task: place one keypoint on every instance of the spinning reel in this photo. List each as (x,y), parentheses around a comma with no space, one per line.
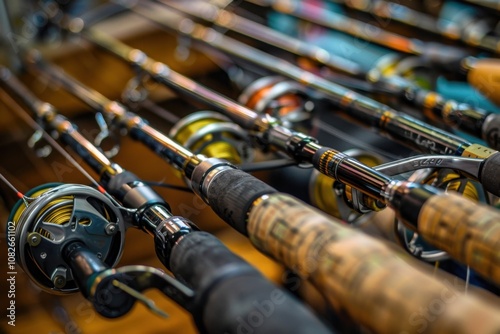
(213,135)
(444,179)
(281,98)
(330,196)
(55,219)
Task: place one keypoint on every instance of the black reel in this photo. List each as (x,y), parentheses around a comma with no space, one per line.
(56,216)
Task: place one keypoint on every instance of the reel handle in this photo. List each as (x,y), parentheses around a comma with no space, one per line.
(113,292)
(86,266)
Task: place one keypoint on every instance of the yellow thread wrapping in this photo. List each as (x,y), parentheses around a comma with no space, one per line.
(478,151)
(324,161)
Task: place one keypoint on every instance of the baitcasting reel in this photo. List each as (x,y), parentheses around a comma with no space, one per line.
(57,217)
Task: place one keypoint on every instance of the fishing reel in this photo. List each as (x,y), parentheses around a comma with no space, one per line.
(279,97)
(398,74)
(347,203)
(52,220)
(213,135)
(333,197)
(445,179)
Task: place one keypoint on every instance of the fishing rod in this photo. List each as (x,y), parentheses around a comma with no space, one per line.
(205,131)
(445,56)
(256,210)
(376,285)
(268,133)
(196,258)
(478,122)
(298,146)
(493,4)
(436,53)
(410,131)
(228,20)
(453,22)
(460,22)
(241,196)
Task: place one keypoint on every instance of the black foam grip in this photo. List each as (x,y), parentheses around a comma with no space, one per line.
(490,174)
(233,297)
(232,192)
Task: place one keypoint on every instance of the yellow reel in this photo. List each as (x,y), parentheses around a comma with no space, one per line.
(213,135)
(321,187)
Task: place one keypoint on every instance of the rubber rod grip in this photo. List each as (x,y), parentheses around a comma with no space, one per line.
(231,194)
(233,297)
(490,174)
